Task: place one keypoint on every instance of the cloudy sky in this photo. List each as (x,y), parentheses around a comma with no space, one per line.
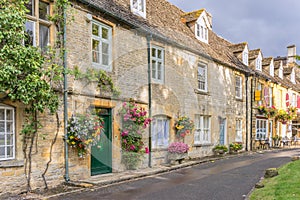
(270,25)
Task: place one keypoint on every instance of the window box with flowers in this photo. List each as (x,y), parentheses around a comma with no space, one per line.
(283,116)
(183,126)
(134,120)
(268,112)
(177,152)
(84,131)
(262,110)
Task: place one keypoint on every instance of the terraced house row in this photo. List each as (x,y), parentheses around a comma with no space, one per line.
(169,62)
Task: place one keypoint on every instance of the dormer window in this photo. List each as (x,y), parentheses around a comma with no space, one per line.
(293,80)
(245,57)
(272,69)
(280,74)
(258,63)
(201,31)
(138,7)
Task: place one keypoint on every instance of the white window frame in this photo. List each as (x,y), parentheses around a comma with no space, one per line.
(258,64)
(138,7)
(238,87)
(280,73)
(155,61)
(39,22)
(100,65)
(293,79)
(202,84)
(160,132)
(261,129)
(5,145)
(270,96)
(245,57)
(201,30)
(202,133)
(272,69)
(239,130)
(294,100)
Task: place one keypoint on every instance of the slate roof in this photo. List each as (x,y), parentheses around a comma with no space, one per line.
(169,23)
(237,48)
(267,61)
(191,16)
(163,20)
(253,54)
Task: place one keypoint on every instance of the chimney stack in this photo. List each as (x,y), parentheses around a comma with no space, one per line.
(291,55)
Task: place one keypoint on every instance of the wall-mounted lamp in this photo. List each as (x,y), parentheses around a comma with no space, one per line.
(88,17)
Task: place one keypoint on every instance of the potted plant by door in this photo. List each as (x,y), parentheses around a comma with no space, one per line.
(220,149)
(235,147)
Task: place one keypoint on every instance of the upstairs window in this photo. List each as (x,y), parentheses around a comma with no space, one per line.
(245,57)
(157,58)
(202,77)
(258,64)
(201,31)
(37,26)
(294,100)
(7,132)
(138,7)
(270,103)
(101,46)
(272,69)
(280,73)
(238,87)
(293,79)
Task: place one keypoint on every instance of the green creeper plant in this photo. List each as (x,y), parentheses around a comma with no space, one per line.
(34,78)
(25,75)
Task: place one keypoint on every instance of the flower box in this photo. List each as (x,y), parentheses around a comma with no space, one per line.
(176,157)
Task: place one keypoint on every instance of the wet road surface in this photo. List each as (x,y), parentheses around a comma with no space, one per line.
(226,179)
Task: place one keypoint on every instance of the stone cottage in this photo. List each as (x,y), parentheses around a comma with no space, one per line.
(165,60)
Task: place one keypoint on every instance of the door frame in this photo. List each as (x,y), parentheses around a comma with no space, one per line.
(110,138)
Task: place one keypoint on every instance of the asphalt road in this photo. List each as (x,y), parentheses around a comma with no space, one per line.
(226,179)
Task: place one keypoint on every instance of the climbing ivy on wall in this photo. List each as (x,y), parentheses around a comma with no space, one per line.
(34,78)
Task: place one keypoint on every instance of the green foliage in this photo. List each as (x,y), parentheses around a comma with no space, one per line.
(220,147)
(131,159)
(22,75)
(104,82)
(235,146)
(284,186)
(26,76)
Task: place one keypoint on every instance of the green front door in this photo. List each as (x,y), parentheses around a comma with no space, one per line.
(101,154)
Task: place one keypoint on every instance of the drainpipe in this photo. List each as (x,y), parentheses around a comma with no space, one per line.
(251,112)
(149,96)
(246,83)
(67,178)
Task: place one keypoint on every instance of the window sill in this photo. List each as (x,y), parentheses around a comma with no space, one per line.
(157,149)
(11,163)
(197,91)
(239,99)
(203,145)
